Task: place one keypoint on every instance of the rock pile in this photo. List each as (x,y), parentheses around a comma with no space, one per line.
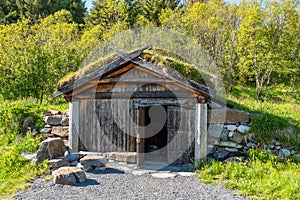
(230,139)
(57,125)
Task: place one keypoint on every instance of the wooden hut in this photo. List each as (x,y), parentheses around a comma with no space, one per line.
(110,105)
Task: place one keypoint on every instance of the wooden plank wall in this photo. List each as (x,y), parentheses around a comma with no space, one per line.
(104,125)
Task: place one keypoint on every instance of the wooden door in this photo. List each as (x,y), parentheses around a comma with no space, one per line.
(180,134)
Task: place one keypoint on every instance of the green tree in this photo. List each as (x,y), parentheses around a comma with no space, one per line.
(13,10)
(35,57)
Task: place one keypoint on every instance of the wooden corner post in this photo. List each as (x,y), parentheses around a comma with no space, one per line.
(200,132)
(74,126)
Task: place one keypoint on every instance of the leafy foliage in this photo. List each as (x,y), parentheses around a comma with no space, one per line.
(13,10)
(34,57)
(15,171)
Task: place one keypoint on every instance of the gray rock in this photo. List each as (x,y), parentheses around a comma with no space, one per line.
(65,121)
(73,157)
(53,120)
(276,143)
(46,130)
(58,162)
(54,112)
(126,157)
(229,144)
(277,147)
(74,163)
(231,127)
(220,155)
(230,134)
(224,135)
(243,128)
(293,152)
(186,174)
(271,146)
(231,149)
(61,131)
(28,155)
(67,112)
(251,145)
(236,137)
(50,149)
(163,175)
(283,153)
(93,161)
(68,175)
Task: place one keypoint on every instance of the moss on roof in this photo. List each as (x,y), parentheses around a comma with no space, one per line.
(158,56)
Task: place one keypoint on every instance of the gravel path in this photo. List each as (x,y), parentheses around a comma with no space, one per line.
(116,184)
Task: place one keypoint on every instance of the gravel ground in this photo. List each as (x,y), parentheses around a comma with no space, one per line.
(116,184)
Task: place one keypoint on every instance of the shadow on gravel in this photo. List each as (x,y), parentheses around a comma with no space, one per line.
(107,171)
(88,182)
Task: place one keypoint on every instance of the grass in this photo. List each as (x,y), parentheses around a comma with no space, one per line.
(264,176)
(275,119)
(15,171)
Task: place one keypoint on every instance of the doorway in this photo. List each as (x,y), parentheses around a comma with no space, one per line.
(156,133)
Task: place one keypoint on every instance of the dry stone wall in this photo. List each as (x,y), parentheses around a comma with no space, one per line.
(228,136)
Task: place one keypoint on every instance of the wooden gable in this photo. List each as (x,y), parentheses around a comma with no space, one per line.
(131,81)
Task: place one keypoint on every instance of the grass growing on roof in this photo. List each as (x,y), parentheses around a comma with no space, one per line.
(158,56)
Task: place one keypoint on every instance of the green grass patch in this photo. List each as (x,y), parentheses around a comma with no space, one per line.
(275,118)
(263,176)
(15,171)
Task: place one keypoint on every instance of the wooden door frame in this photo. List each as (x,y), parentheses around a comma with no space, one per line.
(140,137)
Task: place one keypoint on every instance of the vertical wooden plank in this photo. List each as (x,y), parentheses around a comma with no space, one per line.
(200,131)
(125,122)
(73,128)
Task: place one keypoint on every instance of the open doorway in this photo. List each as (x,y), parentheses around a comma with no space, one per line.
(155,141)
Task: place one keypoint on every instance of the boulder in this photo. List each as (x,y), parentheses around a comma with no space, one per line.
(92,161)
(243,128)
(50,149)
(58,162)
(68,176)
(229,144)
(53,120)
(61,131)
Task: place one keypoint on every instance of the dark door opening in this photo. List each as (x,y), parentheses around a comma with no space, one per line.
(158,138)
